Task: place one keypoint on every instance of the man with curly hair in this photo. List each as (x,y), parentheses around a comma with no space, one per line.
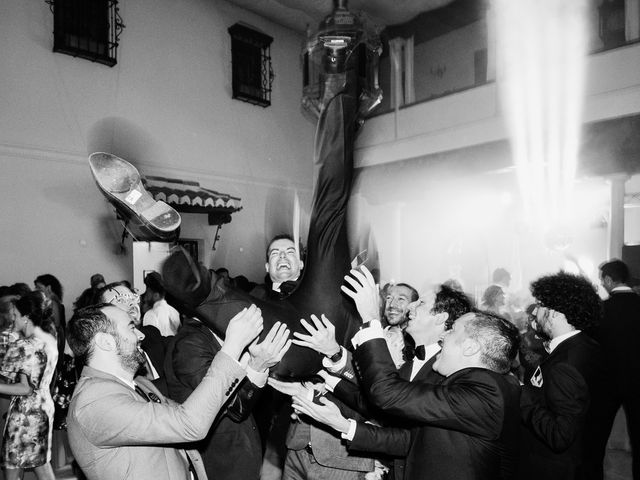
(562,395)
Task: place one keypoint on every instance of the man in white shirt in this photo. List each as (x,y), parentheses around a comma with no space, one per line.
(161,315)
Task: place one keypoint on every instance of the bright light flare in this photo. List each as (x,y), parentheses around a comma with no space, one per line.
(541,55)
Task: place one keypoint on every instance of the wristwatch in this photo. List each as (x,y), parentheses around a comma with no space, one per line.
(336,356)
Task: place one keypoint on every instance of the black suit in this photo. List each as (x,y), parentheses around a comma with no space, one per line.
(556,414)
(618,336)
(466,426)
(232,448)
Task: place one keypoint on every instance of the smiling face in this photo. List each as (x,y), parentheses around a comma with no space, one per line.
(397,304)
(283,262)
(127,339)
(422,321)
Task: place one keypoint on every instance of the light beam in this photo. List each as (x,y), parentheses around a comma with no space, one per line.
(541,57)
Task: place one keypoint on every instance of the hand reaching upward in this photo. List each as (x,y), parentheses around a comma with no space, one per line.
(364,292)
(242,329)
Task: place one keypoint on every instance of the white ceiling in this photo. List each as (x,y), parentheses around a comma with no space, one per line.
(297,14)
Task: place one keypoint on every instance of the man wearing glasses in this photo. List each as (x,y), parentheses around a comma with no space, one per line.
(562,395)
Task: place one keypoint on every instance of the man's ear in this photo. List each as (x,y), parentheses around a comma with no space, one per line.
(105,341)
(301,264)
(470,347)
(266,267)
(441,318)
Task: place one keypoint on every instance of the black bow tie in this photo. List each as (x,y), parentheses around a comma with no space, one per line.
(420,352)
(287,287)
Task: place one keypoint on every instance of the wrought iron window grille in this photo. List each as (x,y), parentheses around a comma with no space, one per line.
(252,74)
(88,29)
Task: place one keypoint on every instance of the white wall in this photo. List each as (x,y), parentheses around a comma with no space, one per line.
(446,63)
(166,107)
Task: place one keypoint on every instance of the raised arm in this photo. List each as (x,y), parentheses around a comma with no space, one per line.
(113,416)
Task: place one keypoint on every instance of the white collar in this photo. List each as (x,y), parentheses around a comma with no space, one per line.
(131,383)
(553,344)
(621,288)
(276,285)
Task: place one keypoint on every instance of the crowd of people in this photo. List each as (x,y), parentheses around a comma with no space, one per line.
(431,386)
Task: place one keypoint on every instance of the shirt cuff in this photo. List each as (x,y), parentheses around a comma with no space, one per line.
(352,430)
(374,330)
(335,367)
(330,382)
(259,379)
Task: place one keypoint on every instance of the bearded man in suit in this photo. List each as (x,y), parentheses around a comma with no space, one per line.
(564,394)
(125,429)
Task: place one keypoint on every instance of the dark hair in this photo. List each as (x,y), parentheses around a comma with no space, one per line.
(414,293)
(615,269)
(500,273)
(499,339)
(19,289)
(96,279)
(452,301)
(32,305)
(49,280)
(153,282)
(572,295)
(83,327)
(7,302)
(490,295)
(87,297)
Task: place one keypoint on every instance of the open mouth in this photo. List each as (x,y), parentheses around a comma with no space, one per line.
(283,266)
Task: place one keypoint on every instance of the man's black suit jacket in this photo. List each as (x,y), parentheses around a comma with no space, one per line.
(353,396)
(618,336)
(466,427)
(555,415)
(232,449)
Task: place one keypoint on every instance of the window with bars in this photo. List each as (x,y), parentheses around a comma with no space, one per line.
(252,74)
(87,29)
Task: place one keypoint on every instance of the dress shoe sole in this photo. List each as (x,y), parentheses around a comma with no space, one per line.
(120,182)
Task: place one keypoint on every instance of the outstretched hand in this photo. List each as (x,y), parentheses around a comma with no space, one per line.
(327,413)
(270,351)
(364,292)
(321,338)
(242,329)
(288,388)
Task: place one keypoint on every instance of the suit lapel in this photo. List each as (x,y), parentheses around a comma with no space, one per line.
(423,374)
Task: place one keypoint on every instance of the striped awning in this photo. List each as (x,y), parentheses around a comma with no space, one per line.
(190,197)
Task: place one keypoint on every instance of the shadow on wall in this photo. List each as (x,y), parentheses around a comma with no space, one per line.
(127,140)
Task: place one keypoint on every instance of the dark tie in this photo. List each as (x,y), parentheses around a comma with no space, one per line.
(420,352)
(287,287)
